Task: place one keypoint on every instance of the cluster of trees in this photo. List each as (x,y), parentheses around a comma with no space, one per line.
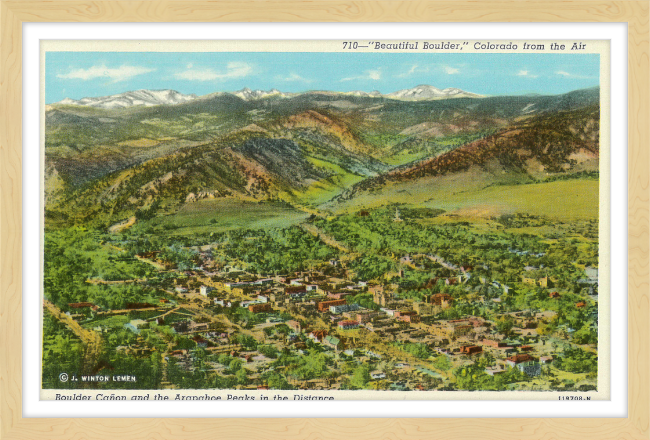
(420,351)
(275,251)
(576,360)
(72,256)
(473,377)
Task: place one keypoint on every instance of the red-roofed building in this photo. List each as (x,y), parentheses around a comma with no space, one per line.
(347,325)
(80,305)
(324,306)
(257,308)
(318,335)
(525,363)
(470,349)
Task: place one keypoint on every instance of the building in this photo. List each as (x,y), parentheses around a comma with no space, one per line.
(379,296)
(494,371)
(324,306)
(423,308)
(441,300)
(200,342)
(295,291)
(295,326)
(493,343)
(348,325)
(318,335)
(257,308)
(546,359)
(365,317)
(332,342)
(343,308)
(409,316)
(470,349)
(525,363)
(205,290)
(135,325)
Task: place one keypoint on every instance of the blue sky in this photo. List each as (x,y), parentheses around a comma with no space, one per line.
(84,74)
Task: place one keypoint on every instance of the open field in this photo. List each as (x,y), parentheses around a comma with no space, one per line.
(224,214)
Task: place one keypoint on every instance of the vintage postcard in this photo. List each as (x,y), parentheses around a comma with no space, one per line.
(318,220)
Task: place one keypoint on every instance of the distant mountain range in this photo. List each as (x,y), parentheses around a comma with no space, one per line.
(135,98)
(150,98)
(333,150)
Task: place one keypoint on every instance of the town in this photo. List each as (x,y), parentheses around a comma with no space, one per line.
(332,309)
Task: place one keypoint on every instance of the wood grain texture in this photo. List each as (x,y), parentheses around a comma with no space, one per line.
(14,13)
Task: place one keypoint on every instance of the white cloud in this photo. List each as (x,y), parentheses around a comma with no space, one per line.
(571,75)
(526,73)
(451,70)
(116,74)
(293,77)
(374,75)
(234,69)
(414,69)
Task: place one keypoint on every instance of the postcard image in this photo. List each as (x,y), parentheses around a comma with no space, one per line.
(320,220)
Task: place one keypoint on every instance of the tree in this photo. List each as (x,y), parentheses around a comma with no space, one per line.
(360,377)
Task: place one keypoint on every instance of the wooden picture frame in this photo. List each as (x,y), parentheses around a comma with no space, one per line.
(14,13)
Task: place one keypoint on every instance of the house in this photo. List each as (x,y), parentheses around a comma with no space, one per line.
(339,295)
(205,290)
(222,303)
(318,335)
(528,280)
(546,359)
(544,282)
(295,291)
(294,325)
(580,304)
(200,342)
(493,343)
(365,317)
(180,290)
(348,325)
(408,317)
(376,376)
(554,295)
(525,363)
(332,342)
(135,325)
(470,349)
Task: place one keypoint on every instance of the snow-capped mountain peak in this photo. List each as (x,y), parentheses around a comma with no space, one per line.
(423,92)
(134,98)
(250,95)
